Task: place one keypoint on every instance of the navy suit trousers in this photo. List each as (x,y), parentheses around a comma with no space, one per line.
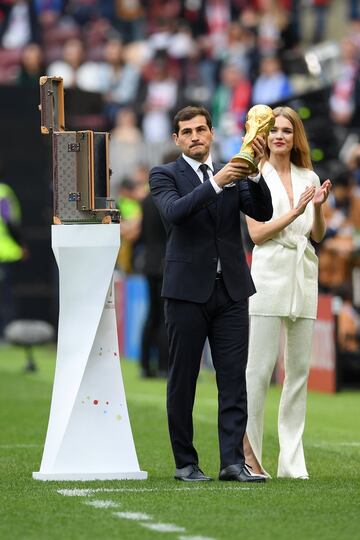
(226,324)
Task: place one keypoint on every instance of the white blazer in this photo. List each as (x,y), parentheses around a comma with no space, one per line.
(285,268)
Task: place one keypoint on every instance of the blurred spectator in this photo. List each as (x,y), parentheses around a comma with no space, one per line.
(228,138)
(159,38)
(19,24)
(353,30)
(193,12)
(95,34)
(271,85)
(56,29)
(154,343)
(197,80)
(336,250)
(240,48)
(320,9)
(181,42)
(158,97)
(273,19)
(353,162)
(348,324)
(159,11)
(120,78)
(83,11)
(206,65)
(342,97)
(11,249)
(129,19)
(32,66)
(249,18)
(126,145)
(354,9)
(49,8)
(232,96)
(218,17)
(290,34)
(229,107)
(132,191)
(338,205)
(68,66)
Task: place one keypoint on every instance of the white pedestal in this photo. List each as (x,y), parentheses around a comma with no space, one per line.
(89,434)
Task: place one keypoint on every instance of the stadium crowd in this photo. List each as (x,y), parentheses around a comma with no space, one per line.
(143,60)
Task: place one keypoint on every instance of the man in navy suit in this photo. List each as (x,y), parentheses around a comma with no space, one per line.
(206,286)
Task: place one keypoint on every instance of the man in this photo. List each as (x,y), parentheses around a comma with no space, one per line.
(154,338)
(206,286)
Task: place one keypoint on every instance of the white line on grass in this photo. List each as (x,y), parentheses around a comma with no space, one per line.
(139,517)
(195,538)
(135,516)
(20,445)
(102,504)
(88,492)
(323,444)
(80,492)
(355,443)
(163,527)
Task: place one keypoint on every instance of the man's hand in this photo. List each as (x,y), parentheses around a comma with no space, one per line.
(234,170)
(231,172)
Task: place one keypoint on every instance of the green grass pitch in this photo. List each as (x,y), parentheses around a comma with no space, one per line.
(324,508)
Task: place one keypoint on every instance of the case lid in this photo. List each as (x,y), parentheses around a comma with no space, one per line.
(52,104)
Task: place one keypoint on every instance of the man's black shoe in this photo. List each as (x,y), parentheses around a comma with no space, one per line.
(191,473)
(240,473)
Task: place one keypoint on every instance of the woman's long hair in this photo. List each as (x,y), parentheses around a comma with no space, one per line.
(300,153)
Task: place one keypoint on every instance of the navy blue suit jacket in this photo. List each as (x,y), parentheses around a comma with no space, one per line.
(202,227)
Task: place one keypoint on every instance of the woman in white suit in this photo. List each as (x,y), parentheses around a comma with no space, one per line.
(285,271)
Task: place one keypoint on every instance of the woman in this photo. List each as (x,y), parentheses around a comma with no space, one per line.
(285,272)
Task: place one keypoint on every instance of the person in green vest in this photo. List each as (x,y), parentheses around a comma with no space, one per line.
(132,191)
(11,250)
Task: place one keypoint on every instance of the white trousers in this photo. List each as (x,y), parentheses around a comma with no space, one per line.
(263,354)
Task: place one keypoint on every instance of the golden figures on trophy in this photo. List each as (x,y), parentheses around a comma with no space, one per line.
(259,121)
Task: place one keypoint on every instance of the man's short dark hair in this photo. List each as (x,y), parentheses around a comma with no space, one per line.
(188,113)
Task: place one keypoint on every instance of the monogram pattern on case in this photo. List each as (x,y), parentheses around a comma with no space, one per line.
(66,181)
(66,165)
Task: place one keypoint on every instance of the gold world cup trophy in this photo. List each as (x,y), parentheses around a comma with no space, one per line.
(259,121)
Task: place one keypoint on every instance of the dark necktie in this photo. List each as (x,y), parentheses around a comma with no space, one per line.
(204,169)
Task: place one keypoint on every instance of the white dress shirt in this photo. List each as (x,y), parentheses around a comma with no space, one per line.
(196,166)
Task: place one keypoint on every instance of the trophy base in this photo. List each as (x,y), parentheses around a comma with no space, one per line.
(246,159)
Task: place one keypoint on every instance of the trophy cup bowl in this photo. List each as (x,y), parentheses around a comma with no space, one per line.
(259,121)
